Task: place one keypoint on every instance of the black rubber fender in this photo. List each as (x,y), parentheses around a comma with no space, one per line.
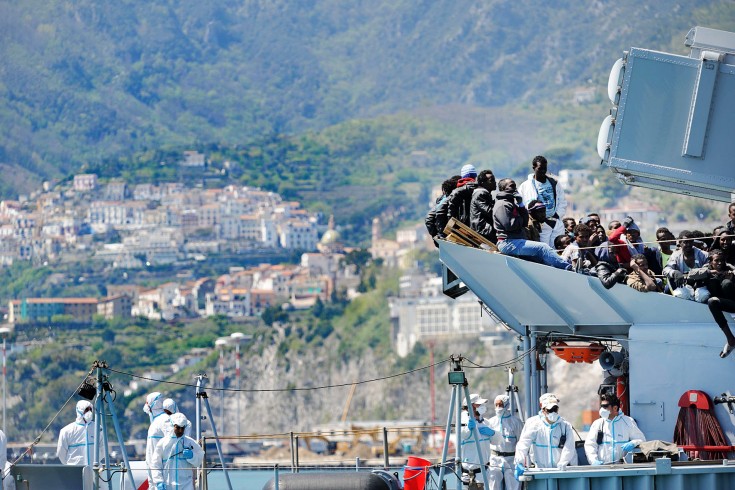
(332,481)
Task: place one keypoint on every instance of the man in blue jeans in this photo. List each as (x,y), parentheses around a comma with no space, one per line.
(510,218)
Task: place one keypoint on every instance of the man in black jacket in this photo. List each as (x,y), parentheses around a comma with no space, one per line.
(457,204)
(510,217)
(431,217)
(481,206)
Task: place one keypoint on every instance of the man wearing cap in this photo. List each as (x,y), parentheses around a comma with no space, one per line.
(473,427)
(547,190)
(159,428)
(176,457)
(551,437)
(507,429)
(76,440)
(612,435)
(458,203)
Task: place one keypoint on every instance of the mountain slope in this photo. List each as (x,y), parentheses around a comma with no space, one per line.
(83,81)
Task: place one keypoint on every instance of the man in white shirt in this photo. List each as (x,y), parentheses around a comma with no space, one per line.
(551,193)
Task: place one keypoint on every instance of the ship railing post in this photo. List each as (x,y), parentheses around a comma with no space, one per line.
(296,452)
(293,455)
(386,460)
(275,476)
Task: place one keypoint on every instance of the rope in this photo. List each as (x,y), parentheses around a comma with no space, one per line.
(277,390)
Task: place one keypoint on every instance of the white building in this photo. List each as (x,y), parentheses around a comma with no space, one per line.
(298,235)
(423,312)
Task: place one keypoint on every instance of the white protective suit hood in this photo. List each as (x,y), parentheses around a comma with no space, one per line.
(82,406)
(170,405)
(153,404)
(179,419)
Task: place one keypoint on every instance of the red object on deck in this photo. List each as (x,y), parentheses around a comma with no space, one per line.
(695,398)
(144,485)
(691,447)
(578,353)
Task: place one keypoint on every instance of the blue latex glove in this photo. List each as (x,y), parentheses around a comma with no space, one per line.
(187,454)
(520,469)
(628,446)
(471,424)
(486,431)
(597,462)
(161,486)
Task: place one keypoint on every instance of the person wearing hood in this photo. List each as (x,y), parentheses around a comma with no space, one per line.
(170,407)
(159,428)
(474,426)
(510,218)
(612,435)
(547,190)
(176,458)
(458,203)
(76,440)
(551,437)
(507,429)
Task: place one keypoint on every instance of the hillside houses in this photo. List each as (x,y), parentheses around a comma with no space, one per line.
(155,223)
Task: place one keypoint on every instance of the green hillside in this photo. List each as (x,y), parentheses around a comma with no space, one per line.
(84,82)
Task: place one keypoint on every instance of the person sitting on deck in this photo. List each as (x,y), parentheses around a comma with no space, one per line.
(481,206)
(569,224)
(459,201)
(667,244)
(536,218)
(510,217)
(719,280)
(431,217)
(561,243)
(730,225)
(608,270)
(685,258)
(724,241)
(579,252)
(641,279)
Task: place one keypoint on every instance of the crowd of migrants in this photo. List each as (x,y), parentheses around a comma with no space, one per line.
(529,222)
(507,446)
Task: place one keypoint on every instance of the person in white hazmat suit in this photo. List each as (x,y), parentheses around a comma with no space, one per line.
(550,436)
(76,440)
(472,426)
(8,482)
(613,435)
(176,458)
(170,407)
(159,428)
(508,430)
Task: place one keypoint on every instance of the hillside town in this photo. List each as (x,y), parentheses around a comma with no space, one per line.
(125,228)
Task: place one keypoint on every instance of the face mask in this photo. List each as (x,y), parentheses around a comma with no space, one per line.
(604,413)
(88,416)
(499,411)
(481,409)
(146,408)
(552,417)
